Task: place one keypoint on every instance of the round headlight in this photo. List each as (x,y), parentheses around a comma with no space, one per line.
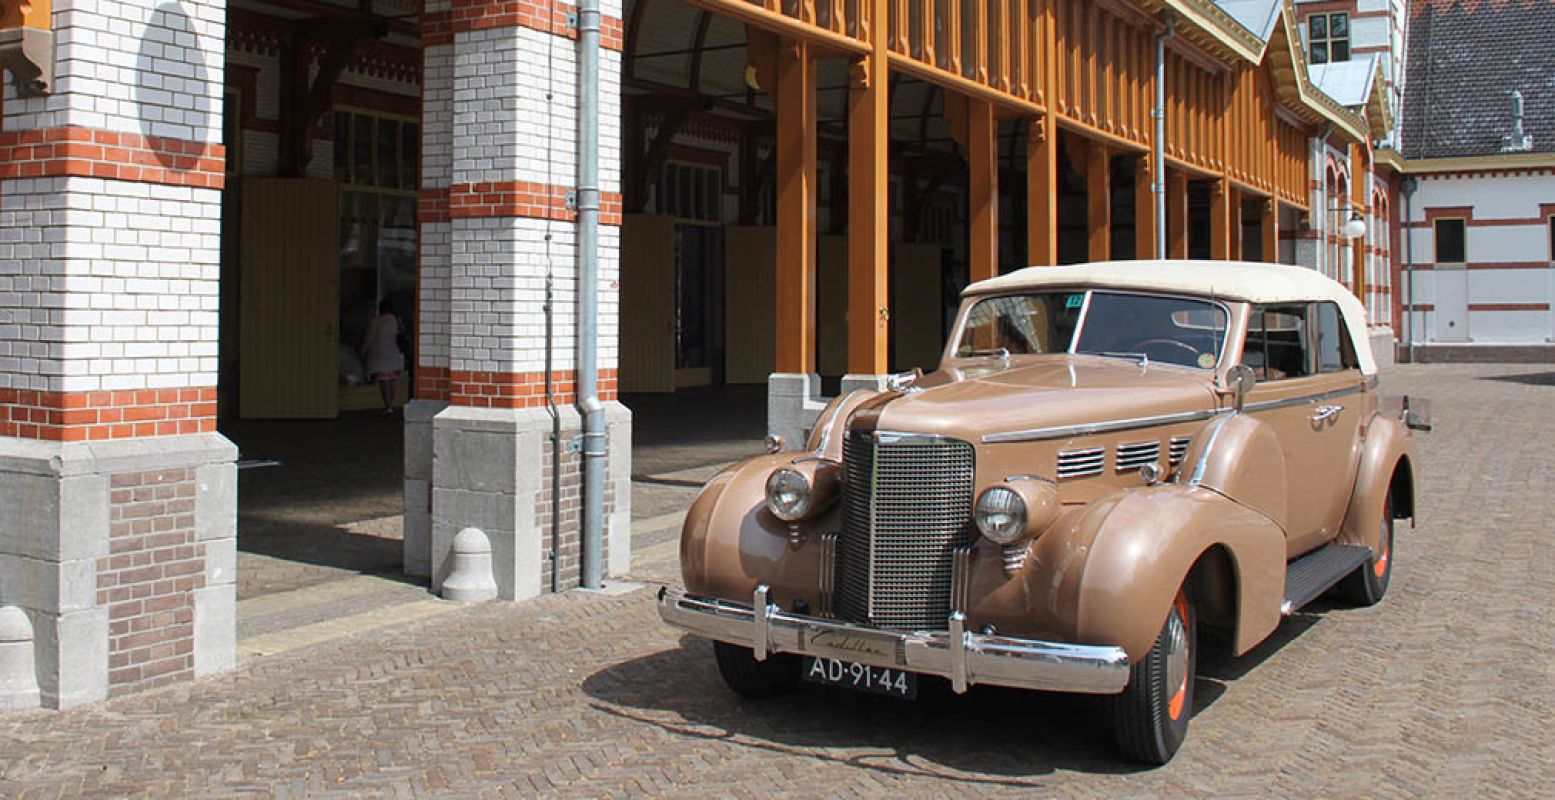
(788,494)
(1001,515)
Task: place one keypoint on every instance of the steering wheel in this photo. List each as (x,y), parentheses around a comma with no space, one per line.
(1144,346)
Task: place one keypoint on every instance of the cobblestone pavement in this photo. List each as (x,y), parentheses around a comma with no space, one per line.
(1444,690)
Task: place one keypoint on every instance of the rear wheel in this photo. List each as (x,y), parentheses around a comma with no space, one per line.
(1150,717)
(752,678)
(1369,582)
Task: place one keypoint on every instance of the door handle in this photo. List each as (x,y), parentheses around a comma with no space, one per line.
(1321,413)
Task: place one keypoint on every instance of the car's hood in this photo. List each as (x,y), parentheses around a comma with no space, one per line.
(1042,391)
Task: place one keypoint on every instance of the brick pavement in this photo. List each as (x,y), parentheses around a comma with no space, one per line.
(1445,689)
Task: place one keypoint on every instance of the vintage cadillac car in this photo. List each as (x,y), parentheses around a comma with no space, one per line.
(1110,459)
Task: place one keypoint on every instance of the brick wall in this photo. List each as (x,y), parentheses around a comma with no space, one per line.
(149,578)
(569,555)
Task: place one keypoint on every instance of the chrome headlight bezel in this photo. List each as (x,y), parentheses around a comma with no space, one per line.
(789,493)
(1000,514)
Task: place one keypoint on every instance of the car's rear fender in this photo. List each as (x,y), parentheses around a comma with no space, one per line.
(1387,468)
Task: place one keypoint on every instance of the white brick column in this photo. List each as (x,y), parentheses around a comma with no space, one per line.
(118,536)
(505,81)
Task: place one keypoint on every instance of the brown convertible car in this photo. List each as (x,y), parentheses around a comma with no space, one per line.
(1110,459)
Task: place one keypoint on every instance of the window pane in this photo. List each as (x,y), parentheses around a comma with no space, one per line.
(410,155)
(342,147)
(1139,326)
(1318,26)
(388,153)
(1020,324)
(1341,51)
(714,195)
(1320,53)
(1335,353)
(1339,26)
(1552,238)
(362,150)
(1277,346)
(1449,242)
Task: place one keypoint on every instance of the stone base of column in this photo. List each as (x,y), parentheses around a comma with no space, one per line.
(1382,346)
(793,402)
(492,469)
(123,554)
(864,382)
(418,485)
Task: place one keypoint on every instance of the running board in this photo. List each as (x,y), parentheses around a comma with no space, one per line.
(1317,571)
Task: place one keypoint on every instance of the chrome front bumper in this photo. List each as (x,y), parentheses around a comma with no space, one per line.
(964,658)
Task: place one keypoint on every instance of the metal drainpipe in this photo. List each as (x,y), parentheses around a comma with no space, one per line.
(588,295)
(1407,188)
(1160,136)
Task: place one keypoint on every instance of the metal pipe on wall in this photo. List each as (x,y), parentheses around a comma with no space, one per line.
(1160,136)
(1407,188)
(593,412)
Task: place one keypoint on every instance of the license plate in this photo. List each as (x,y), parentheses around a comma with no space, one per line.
(863,677)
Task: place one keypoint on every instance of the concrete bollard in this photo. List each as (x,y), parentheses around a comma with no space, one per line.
(469,575)
(18,672)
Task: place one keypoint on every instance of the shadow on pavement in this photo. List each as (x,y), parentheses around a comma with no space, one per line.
(1528,378)
(991,735)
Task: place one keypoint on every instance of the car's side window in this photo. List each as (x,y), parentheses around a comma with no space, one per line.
(1335,351)
(1278,345)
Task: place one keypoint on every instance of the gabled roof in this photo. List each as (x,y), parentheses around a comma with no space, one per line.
(1295,87)
(1356,84)
(1463,62)
(1256,16)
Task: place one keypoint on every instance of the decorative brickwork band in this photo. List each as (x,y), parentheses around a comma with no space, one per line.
(547,17)
(149,577)
(432,205)
(92,416)
(525,199)
(521,389)
(89,153)
(431,383)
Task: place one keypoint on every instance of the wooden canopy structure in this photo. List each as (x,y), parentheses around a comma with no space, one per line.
(1239,116)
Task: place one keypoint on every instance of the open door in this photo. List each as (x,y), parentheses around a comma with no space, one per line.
(648,319)
(750,312)
(290,308)
(917,306)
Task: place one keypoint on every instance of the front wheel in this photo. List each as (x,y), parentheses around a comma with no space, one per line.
(1150,717)
(1369,582)
(752,678)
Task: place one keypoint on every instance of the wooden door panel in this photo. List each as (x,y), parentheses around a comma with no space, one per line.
(750,311)
(647,342)
(290,308)
(916,306)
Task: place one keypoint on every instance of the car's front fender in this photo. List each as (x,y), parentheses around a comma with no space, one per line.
(1387,464)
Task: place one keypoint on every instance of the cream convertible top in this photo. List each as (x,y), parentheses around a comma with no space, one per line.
(1243,281)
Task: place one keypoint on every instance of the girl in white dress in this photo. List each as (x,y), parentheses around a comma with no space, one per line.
(381,351)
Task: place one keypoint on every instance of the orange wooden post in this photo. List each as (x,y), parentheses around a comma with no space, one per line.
(1234,233)
(1098,192)
(983,154)
(1219,219)
(1270,228)
(1176,214)
(795,209)
(1042,192)
(869,210)
(1144,209)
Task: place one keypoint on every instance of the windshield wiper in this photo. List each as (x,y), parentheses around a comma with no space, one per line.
(1003,353)
(1142,358)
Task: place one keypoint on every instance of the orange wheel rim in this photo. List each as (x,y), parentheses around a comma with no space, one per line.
(1174,706)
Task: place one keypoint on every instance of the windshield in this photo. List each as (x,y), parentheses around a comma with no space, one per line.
(1173,330)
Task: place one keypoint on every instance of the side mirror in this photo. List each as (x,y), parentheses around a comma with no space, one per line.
(1240,380)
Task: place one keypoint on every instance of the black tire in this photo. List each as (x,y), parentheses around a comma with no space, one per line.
(1150,718)
(752,678)
(1369,582)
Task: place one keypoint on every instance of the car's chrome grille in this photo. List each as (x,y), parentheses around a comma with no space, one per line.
(1137,454)
(1178,449)
(906,507)
(1079,463)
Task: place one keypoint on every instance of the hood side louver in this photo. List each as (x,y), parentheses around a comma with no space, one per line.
(1137,454)
(1179,449)
(1079,463)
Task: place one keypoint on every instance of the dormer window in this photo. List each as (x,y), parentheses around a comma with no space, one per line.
(1328,37)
